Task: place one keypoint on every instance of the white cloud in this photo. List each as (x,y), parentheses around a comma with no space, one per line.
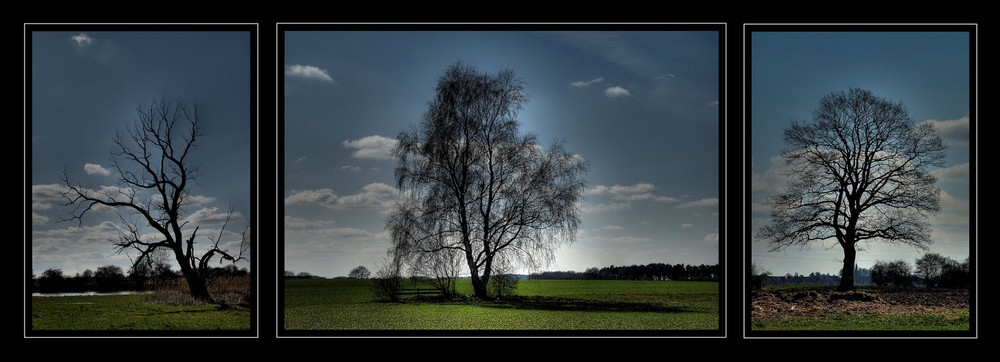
(622,197)
(772,181)
(308,72)
(190,200)
(48,245)
(82,39)
(35,205)
(712,239)
(637,192)
(353,168)
(93,235)
(301,223)
(198,200)
(211,215)
(586,83)
(47,192)
(954,211)
(372,147)
(343,233)
(628,239)
(372,196)
(320,196)
(604,207)
(41,195)
(712,201)
(687,225)
(95,169)
(954,132)
(957,173)
(38,219)
(617,92)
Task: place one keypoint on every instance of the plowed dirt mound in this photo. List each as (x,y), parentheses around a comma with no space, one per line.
(780,304)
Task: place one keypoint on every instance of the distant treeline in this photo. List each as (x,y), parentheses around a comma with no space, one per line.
(813,278)
(653,271)
(930,270)
(111,278)
(302,275)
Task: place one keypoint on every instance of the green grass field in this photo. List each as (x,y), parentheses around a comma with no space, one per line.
(932,321)
(346,304)
(131,312)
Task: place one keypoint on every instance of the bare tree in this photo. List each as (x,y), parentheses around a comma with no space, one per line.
(155,173)
(931,267)
(858,172)
(475,186)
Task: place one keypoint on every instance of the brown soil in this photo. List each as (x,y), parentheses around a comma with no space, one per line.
(818,301)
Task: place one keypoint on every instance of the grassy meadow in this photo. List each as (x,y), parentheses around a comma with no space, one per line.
(132,312)
(169,308)
(556,305)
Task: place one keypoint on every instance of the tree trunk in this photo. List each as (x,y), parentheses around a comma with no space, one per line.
(196,283)
(847,276)
(199,290)
(479,287)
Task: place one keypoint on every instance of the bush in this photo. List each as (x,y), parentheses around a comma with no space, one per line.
(388,283)
(757,276)
(502,285)
(955,275)
(109,278)
(52,280)
(896,273)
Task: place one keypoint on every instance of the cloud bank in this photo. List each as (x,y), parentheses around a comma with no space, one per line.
(955,132)
(372,147)
(308,72)
(94,169)
(372,196)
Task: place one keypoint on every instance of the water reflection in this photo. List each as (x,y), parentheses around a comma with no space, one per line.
(78,294)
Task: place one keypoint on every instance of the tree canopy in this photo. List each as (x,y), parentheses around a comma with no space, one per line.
(477,191)
(858,172)
(155,175)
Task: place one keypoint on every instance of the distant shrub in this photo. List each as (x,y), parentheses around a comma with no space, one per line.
(502,285)
(757,276)
(895,273)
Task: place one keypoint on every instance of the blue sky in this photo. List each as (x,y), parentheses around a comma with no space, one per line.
(928,71)
(85,88)
(641,106)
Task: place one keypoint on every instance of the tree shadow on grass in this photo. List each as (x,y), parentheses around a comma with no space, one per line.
(585,305)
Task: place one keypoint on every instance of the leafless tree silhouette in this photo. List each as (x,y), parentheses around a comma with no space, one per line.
(476,187)
(155,174)
(858,172)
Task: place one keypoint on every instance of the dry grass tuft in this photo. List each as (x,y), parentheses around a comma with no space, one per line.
(227,291)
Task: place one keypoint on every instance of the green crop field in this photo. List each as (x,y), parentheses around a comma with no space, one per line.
(347,304)
(131,312)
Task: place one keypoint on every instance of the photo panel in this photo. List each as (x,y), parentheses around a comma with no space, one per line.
(501,180)
(142,175)
(861,190)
